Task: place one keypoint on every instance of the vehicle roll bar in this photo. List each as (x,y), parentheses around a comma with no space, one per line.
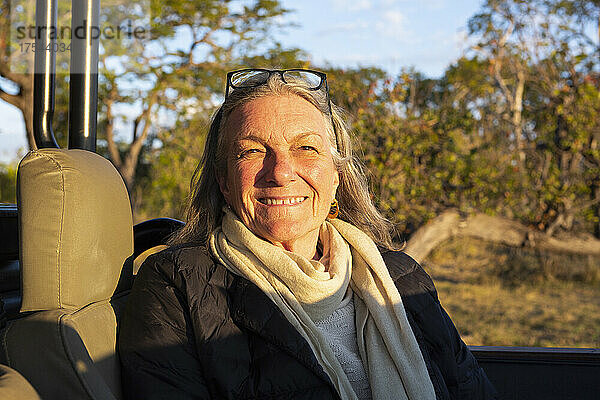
(83,89)
(83,84)
(43,79)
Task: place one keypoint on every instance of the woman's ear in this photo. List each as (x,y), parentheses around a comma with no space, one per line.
(336,182)
(223,186)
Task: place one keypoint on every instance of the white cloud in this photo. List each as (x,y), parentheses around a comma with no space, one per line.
(426,4)
(434,4)
(360,5)
(394,17)
(353,5)
(392,24)
(343,27)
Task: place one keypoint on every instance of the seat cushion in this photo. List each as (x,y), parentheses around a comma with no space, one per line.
(14,386)
(67,354)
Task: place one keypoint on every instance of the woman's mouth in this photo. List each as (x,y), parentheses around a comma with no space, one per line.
(281,201)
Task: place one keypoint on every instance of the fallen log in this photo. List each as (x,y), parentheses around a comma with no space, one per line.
(494,229)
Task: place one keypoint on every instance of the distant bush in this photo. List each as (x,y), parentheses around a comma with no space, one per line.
(8,183)
(483,262)
(528,266)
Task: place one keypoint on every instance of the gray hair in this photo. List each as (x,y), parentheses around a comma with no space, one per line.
(205,202)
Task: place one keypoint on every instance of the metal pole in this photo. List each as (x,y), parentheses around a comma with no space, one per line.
(83,85)
(43,79)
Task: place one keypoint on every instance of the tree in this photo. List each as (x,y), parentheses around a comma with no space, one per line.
(503,28)
(16,84)
(169,167)
(158,65)
(445,151)
(545,66)
(178,66)
(530,89)
(17,38)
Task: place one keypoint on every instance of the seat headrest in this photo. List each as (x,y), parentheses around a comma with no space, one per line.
(75,228)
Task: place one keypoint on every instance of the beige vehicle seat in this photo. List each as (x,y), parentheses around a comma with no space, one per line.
(76,232)
(14,386)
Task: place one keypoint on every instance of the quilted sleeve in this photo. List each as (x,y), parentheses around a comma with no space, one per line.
(156,341)
(472,382)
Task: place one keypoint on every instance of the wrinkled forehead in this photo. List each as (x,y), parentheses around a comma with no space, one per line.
(277,116)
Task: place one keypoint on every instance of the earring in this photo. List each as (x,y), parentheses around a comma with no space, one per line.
(334,210)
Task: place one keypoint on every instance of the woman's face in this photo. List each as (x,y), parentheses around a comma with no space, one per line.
(280,177)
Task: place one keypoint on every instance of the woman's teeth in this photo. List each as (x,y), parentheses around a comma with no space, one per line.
(278,202)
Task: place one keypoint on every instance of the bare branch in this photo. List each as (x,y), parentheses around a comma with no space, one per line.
(112,146)
(19,79)
(131,159)
(497,63)
(13,99)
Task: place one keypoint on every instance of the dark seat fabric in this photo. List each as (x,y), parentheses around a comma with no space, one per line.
(193,330)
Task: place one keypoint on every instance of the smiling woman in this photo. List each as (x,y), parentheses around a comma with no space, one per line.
(266,293)
(281,178)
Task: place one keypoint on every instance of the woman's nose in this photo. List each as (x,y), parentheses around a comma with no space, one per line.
(280,170)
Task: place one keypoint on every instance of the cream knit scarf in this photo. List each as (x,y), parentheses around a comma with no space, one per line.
(305,293)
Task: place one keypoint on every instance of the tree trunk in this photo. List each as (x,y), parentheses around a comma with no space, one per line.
(492,229)
(127,164)
(596,197)
(517,110)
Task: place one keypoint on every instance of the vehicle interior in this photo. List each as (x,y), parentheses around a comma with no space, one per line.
(70,253)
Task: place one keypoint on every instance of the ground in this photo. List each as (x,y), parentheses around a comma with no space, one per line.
(500,296)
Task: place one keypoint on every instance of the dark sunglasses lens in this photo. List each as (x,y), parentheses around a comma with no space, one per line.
(306,78)
(244,79)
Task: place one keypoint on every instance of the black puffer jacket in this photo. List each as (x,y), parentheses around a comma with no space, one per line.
(193,330)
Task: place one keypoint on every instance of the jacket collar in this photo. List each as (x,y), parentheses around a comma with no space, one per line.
(253,310)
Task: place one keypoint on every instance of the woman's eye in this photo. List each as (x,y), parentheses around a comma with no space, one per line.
(249,152)
(309,148)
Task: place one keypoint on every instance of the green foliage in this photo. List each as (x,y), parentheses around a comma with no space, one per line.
(166,186)
(8,183)
(510,129)
(159,88)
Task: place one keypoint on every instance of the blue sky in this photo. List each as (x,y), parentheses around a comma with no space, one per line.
(426,34)
(392,34)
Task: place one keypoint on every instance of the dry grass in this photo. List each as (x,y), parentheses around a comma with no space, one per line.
(543,300)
